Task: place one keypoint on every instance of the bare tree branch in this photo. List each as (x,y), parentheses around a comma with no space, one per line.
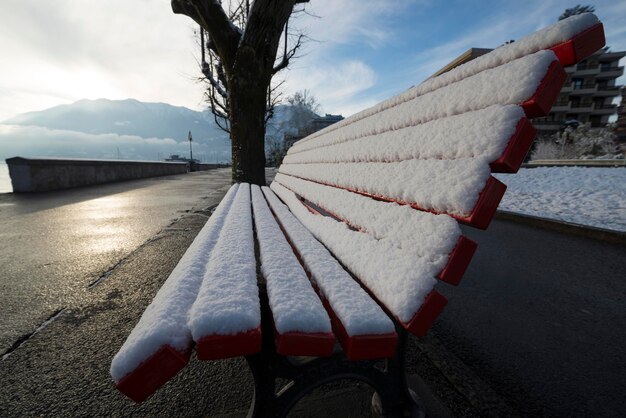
(287,55)
(209,76)
(211,16)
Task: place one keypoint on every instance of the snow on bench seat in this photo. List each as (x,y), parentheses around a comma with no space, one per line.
(160,344)
(533,82)
(453,187)
(397,278)
(302,327)
(363,329)
(427,235)
(225,319)
(571,39)
(486,132)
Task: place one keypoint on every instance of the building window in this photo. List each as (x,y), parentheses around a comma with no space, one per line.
(577,83)
(606,66)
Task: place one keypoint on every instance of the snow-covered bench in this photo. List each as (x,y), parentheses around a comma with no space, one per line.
(359,225)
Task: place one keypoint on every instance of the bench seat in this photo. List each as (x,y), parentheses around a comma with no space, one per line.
(361,222)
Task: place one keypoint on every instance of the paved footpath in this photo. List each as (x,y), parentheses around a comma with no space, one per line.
(55,244)
(541,316)
(535,329)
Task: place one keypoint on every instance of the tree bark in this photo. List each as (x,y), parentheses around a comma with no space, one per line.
(247,100)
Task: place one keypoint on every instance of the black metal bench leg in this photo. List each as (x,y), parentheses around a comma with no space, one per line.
(387,377)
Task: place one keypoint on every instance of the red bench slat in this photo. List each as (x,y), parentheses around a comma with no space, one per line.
(215,347)
(486,206)
(546,94)
(580,46)
(358,347)
(480,217)
(361,347)
(153,373)
(518,146)
(458,261)
(304,344)
(427,314)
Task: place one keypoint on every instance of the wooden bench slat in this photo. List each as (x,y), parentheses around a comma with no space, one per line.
(425,317)
(571,40)
(361,326)
(397,278)
(546,93)
(413,229)
(160,344)
(302,326)
(499,133)
(462,188)
(580,46)
(523,81)
(425,234)
(153,373)
(516,149)
(225,319)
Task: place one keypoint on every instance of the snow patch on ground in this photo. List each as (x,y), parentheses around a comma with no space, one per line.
(583,195)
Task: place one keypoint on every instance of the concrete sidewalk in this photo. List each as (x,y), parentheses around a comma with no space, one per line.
(54,245)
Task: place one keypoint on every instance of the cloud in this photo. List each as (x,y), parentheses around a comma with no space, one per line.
(34,141)
(333,65)
(66,50)
(335,85)
(353,22)
(488,32)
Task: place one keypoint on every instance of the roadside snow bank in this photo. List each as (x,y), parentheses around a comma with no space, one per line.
(583,195)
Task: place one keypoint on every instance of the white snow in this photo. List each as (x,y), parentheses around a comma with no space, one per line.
(542,39)
(584,195)
(295,305)
(485,132)
(228,299)
(428,235)
(358,313)
(398,278)
(164,322)
(510,83)
(443,186)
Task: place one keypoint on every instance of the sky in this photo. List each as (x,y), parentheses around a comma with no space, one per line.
(359,53)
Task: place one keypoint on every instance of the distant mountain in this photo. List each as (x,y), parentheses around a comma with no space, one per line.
(124,117)
(129,129)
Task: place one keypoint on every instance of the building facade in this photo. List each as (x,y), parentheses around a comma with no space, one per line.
(588,93)
(586,96)
(620,131)
(315,125)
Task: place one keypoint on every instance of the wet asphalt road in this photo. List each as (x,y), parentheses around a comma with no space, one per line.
(54,245)
(541,317)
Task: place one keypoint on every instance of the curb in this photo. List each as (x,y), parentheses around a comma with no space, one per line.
(575,163)
(599,234)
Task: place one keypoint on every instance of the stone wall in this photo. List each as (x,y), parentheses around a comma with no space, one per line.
(43,174)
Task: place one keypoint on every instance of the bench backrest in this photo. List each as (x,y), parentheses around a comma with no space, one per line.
(404,171)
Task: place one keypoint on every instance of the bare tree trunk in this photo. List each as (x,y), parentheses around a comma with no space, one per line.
(248,96)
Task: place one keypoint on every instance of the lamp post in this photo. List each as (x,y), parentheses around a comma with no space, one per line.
(189,137)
